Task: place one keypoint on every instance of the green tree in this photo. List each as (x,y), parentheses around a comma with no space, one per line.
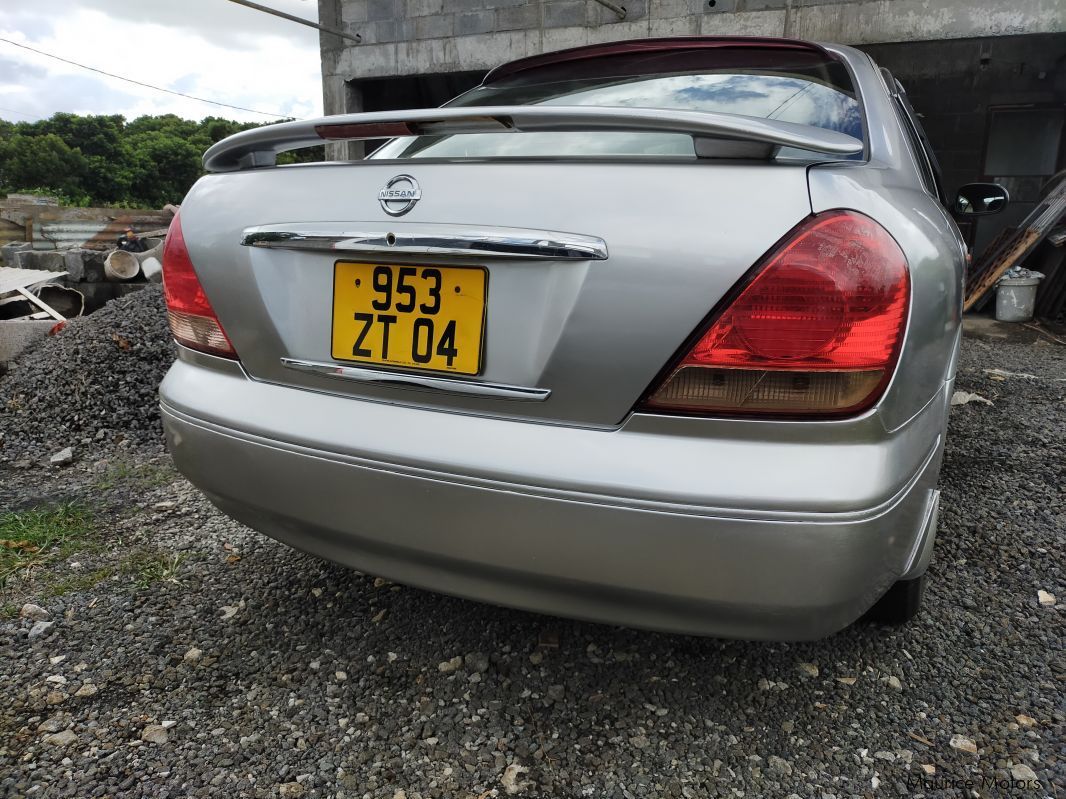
(163,166)
(43,161)
(100,139)
(105,160)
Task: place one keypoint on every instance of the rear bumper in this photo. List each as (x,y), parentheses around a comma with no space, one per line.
(681,525)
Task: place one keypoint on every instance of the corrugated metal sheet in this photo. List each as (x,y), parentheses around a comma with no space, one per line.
(52,228)
(12,279)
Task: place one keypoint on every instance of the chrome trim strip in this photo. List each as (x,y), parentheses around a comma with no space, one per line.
(443,385)
(432,240)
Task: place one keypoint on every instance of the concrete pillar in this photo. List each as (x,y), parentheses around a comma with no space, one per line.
(342,97)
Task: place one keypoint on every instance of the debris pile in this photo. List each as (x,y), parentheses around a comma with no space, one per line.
(99,276)
(70,262)
(90,385)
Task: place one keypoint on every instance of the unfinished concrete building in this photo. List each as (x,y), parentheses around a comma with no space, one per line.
(988,78)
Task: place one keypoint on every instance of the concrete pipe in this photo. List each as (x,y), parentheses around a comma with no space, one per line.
(121,265)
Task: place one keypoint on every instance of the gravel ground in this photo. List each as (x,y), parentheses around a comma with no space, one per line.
(215,660)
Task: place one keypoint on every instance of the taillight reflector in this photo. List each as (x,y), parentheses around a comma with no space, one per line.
(816,332)
(192,319)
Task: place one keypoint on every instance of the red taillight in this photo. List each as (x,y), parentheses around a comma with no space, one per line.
(816,332)
(363,130)
(192,320)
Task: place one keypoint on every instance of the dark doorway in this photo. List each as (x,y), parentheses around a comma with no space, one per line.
(993,110)
(418,91)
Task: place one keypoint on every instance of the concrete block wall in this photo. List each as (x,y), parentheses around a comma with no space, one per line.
(423,37)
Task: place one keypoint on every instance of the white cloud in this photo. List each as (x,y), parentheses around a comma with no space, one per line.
(208,48)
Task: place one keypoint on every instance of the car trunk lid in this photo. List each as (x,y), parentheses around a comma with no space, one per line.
(596,272)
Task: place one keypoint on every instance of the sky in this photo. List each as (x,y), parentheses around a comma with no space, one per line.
(212,49)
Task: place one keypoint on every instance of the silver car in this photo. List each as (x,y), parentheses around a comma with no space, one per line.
(656,333)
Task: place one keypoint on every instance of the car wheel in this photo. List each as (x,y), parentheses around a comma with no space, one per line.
(900,603)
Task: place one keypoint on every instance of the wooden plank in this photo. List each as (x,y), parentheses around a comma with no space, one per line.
(44,306)
(1001,266)
(984,260)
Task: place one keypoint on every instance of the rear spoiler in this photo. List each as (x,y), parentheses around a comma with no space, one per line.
(259,147)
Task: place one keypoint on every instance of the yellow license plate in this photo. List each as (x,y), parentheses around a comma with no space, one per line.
(421,317)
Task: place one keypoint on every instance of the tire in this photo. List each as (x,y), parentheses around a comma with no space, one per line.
(900,603)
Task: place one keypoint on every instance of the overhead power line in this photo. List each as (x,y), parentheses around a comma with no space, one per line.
(145,85)
(20,113)
(355,37)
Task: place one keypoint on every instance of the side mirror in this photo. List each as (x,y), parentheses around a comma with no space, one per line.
(980,199)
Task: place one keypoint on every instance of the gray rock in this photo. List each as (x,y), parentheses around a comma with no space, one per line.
(64,457)
(40,628)
(53,724)
(64,738)
(780,765)
(1023,773)
(155,734)
(477,661)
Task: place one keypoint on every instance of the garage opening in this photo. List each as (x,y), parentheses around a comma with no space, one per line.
(994,110)
(415,91)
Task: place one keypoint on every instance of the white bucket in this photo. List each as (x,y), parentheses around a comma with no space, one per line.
(153,270)
(1016,297)
(121,265)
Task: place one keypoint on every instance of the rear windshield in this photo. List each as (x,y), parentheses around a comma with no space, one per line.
(803,86)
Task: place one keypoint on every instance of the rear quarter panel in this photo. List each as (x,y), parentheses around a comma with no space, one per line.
(889,189)
(936,261)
